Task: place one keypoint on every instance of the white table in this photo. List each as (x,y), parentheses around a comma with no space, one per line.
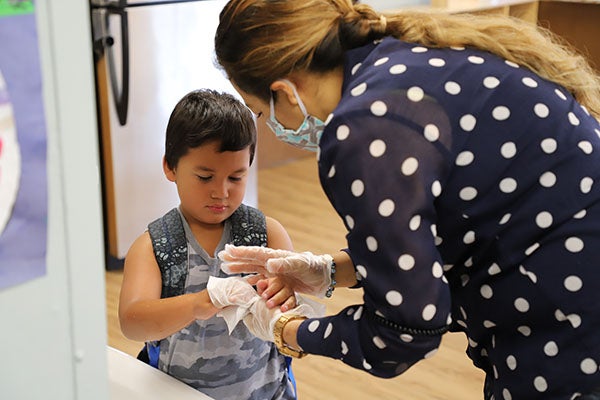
(132,379)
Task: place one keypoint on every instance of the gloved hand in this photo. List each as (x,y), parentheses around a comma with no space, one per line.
(261,319)
(303,272)
(230,291)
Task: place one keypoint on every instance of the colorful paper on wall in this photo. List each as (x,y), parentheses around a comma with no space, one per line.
(23,178)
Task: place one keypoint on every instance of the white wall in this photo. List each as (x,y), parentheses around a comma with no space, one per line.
(53,329)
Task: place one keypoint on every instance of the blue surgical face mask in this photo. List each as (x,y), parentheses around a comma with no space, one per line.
(309,133)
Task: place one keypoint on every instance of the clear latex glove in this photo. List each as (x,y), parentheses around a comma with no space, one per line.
(261,319)
(232,291)
(303,272)
(234,295)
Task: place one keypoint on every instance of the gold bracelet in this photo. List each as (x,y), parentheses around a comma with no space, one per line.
(278,334)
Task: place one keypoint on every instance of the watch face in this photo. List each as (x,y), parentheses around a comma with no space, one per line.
(10,157)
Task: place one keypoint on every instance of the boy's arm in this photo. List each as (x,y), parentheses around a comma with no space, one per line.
(143,314)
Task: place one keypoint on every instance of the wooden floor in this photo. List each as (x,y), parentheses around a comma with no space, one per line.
(292,195)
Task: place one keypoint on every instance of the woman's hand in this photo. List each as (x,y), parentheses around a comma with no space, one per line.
(301,272)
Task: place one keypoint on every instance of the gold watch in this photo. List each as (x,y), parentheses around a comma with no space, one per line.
(278,333)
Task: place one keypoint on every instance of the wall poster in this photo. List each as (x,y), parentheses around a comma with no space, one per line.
(23,177)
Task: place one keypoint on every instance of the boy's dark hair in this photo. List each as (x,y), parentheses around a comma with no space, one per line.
(206,115)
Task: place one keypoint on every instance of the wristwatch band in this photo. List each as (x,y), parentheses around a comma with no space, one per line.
(278,334)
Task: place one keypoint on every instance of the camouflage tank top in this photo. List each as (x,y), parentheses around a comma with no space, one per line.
(203,354)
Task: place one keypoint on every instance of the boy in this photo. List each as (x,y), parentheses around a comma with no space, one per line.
(210,143)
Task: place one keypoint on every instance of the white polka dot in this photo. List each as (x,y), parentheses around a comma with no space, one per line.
(414,223)
(328,119)
(430,354)
(344,348)
(573,119)
(529,251)
(371,243)
(429,312)
(366,365)
(357,188)
(431,132)
(508,150)
(419,49)
(386,208)
(464,158)
(361,270)
(586,185)
(551,348)
(437,270)
(377,148)
(475,60)
(560,94)
(501,113)
(409,166)
(377,341)
(494,269)
(580,214)
(358,89)
(342,132)
(394,298)
(548,179)
(358,313)
(589,366)
(511,64)
(405,337)
(491,82)
(527,81)
(468,193)
(544,219)
(406,262)
(415,94)
(541,110)
(549,146)
(378,108)
(355,68)
(349,221)
(528,274)
(521,305)
(328,331)
(469,237)
(468,122)
(511,362)
(486,291)
(452,88)
(313,326)
(331,172)
(381,61)
(505,219)
(398,69)
(506,394)
(437,62)
(436,188)
(524,330)
(540,384)
(585,146)
(573,283)
(488,324)
(508,185)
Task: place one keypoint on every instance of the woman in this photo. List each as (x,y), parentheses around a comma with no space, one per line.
(462,153)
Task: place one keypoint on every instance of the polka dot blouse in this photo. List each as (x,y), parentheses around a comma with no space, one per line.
(469,189)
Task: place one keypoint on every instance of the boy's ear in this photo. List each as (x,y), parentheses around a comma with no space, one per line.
(169,173)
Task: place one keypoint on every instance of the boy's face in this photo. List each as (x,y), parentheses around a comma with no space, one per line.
(211,184)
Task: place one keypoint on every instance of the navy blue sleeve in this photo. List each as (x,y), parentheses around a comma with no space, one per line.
(382,164)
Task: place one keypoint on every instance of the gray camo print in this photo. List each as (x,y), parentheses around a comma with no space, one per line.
(225,367)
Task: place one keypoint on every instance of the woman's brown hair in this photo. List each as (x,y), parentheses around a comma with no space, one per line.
(259,41)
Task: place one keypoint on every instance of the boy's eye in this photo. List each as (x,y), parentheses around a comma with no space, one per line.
(204,178)
(258,115)
(235,178)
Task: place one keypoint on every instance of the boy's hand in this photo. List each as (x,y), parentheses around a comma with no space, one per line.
(276,293)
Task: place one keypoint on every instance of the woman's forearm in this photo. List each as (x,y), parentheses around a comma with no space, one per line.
(345,274)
